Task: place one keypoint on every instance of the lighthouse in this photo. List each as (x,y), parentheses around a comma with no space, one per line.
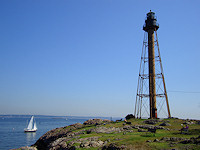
(150,60)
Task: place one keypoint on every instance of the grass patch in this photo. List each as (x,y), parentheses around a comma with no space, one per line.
(137,140)
(158,146)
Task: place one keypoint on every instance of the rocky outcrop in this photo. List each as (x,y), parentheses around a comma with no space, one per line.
(26,148)
(93,122)
(151,121)
(76,125)
(96,122)
(176,140)
(149,127)
(165,124)
(107,121)
(69,136)
(105,130)
(113,146)
(106,134)
(90,142)
(192,140)
(168,139)
(57,137)
(141,130)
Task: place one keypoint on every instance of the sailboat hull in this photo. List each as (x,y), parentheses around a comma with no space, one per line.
(27,130)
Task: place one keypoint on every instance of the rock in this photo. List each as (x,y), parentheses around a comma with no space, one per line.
(123,147)
(95,138)
(96,143)
(93,144)
(165,139)
(149,141)
(175,139)
(192,140)
(26,148)
(128,122)
(54,148)
(156,140)
(186,123)
(167,129)
(107,121)
(93,122)
(85,144)
(101,143)
(151,121)
(72,148)
(105,143)
(90,142)
(45,141)
(127,127)
(142,126)
(89,131)
(130,116)
(61,143)
(171,145)
(149,127)
(70,144)
(108,140)
(141,130)
(172,139)
(186,142)
(104,130)
(57,138)
(77,125)
(165,124)
(160,127)
(135,127)
(113,146)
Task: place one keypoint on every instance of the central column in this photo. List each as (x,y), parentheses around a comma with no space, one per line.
(152,86)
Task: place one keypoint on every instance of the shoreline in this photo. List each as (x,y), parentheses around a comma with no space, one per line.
(94,133)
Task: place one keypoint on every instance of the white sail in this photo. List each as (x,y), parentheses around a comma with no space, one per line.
(30,125)
(34,126)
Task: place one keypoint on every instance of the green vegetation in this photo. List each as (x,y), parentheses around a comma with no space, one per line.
(145,134)
(138,140)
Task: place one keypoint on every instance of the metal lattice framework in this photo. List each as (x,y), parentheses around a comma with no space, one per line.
(142,97)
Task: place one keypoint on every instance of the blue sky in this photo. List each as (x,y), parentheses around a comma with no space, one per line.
(81,57)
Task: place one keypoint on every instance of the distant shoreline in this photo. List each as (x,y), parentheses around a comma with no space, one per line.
(57,117)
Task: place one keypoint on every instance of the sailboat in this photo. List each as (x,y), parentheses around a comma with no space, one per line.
(31,126)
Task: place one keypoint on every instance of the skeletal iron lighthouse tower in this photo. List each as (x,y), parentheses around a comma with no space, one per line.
(151,91)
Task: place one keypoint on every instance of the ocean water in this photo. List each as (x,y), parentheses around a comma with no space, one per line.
(12,133)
